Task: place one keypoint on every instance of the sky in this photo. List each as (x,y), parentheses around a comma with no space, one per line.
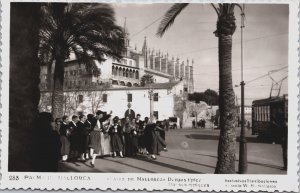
(191,37)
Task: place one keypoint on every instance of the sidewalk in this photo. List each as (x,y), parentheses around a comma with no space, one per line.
(189,151)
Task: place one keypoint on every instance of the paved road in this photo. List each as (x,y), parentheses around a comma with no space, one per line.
(189,151)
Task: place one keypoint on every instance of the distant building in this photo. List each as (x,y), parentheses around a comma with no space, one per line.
(167,100)
(128,71)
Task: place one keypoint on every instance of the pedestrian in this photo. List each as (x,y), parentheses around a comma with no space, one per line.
(88,129)
(116,133)
(47,144)
(134,137)
(95,136)
(127,137)
(140,134)
(194,123)
(159,132)
(151,140)
(73,137)
(65,132)
(105,137)
(81,137)
(129,112)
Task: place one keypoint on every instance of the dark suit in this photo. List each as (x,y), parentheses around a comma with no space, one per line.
(73,136)
(130,113)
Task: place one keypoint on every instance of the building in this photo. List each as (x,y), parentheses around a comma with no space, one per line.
(119,83)
(128,71)
(168,100)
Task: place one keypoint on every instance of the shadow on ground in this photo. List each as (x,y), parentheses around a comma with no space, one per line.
(251,139)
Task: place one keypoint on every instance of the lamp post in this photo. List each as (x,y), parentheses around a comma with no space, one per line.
(151,94)
(243,143)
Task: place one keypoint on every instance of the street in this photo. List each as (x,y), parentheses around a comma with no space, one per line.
(189,151)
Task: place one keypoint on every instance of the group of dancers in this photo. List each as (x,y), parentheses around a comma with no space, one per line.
(86,137)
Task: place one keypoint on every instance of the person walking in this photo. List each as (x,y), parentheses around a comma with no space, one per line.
(95,136)
(116,133)
(88,129)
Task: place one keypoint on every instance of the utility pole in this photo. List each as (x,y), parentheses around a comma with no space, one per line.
(151,94)
(243,143)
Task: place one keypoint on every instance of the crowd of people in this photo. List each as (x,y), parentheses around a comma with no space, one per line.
(85,137)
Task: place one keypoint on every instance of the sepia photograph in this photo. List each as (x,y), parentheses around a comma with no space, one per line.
(166,88)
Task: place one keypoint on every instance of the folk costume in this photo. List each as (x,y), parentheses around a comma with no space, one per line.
(116,135)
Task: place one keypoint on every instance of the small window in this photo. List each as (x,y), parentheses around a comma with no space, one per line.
(129,97)
(80,98)
(104,98)
(155,97)
(185,89)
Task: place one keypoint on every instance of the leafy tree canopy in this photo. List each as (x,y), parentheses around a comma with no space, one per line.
(209,96)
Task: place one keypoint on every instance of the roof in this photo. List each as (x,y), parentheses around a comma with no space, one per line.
(269,100)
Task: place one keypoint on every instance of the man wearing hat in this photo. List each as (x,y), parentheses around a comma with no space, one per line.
(129,112)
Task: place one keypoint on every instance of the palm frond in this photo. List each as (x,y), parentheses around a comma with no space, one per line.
(215,8)
(169,18)
(88,30)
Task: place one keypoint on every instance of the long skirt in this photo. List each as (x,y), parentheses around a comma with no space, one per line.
(105,144)
(95,141)
(155,143)
(116,143)
(65,145)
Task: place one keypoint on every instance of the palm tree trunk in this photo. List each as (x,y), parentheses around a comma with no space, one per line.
(24,93)
(49,76)
(227,140)
(58,92)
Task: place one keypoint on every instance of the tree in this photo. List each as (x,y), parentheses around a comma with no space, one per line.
(87,30)
(24,90)
(211,97)
(146,79)
(226,27)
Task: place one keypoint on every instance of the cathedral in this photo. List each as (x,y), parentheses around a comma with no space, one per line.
(128,71)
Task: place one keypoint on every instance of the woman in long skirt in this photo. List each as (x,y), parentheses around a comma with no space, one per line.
(127,137)
(134,137)
(95,136)
(64,138)
(116,132)
(105,138)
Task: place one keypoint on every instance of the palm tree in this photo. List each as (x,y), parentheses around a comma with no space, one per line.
(87,30)
(225,28)
(24,93)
